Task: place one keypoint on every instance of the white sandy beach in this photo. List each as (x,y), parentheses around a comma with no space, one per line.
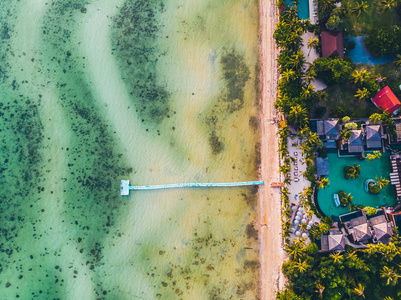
(271,252)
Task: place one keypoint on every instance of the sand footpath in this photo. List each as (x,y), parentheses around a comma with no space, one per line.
(271,251)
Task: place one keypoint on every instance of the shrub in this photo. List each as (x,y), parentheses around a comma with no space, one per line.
(312,248)
(333,22)
(345,199)
(373,188)
(352,171)
(328,220)
(333,69)
(384,41)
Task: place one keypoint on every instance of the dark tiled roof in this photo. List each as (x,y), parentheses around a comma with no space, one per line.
(377,220)
(322,166)
(331,127)
(355,143)
(332,43)
(373,136)
(361,233)
(332,242)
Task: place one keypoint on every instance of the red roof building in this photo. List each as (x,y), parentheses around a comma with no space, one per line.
(386,100)
(332,43)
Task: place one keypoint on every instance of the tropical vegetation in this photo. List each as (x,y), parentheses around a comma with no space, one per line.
(370,273)
(352,171)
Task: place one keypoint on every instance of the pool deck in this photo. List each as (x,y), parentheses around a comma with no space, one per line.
(312,11)
(369,170)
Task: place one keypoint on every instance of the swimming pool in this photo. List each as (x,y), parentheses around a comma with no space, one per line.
(303,8)
(369,170)
(361,55)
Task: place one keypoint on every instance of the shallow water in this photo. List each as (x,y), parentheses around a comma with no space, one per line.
(155,92)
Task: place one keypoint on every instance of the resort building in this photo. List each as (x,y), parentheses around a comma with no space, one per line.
(395,218)
(373,136)
(355,142)
(357,227)
(333,241)
(332,43)
(382,228)
(332,129)
(329,132)
(386,100)
(363,229)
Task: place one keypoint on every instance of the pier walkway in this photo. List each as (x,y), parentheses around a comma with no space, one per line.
(125,187)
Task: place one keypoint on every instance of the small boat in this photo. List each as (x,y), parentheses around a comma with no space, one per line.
(336,200)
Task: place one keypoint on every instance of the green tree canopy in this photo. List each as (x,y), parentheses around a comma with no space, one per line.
(333,69)
(384,41)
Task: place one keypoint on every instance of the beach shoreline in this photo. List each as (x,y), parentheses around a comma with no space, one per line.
(271,249)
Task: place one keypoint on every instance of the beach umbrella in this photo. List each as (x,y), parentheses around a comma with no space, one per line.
(297,218)
(298,233)
(296,222)
(304,235)
(292,229)
(303,221)
(294,208)
(301,209)
(308,227)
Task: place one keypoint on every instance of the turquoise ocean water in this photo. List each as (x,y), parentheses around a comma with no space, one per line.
(157,92)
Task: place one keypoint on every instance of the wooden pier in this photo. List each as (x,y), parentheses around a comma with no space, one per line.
(125,187)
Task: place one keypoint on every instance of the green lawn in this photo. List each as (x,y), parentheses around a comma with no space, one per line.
(341,102)
(361,25)
(391,72)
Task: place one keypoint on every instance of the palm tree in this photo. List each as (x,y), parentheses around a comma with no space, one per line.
(296,250)
(390,274)
(359,76)
(359,8)
(323,183)
(352,207)
(387,5)
(326,4)
(345,134)
(352,256)
(359,290)
(297,59)
(302,266)
(297,115)
(284,169)
(380,79)
(313,43)
(382,182)
(362,94)
(288,75)
(397,62)
(320,289)
(337,257)
(307,91)
(388,298)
